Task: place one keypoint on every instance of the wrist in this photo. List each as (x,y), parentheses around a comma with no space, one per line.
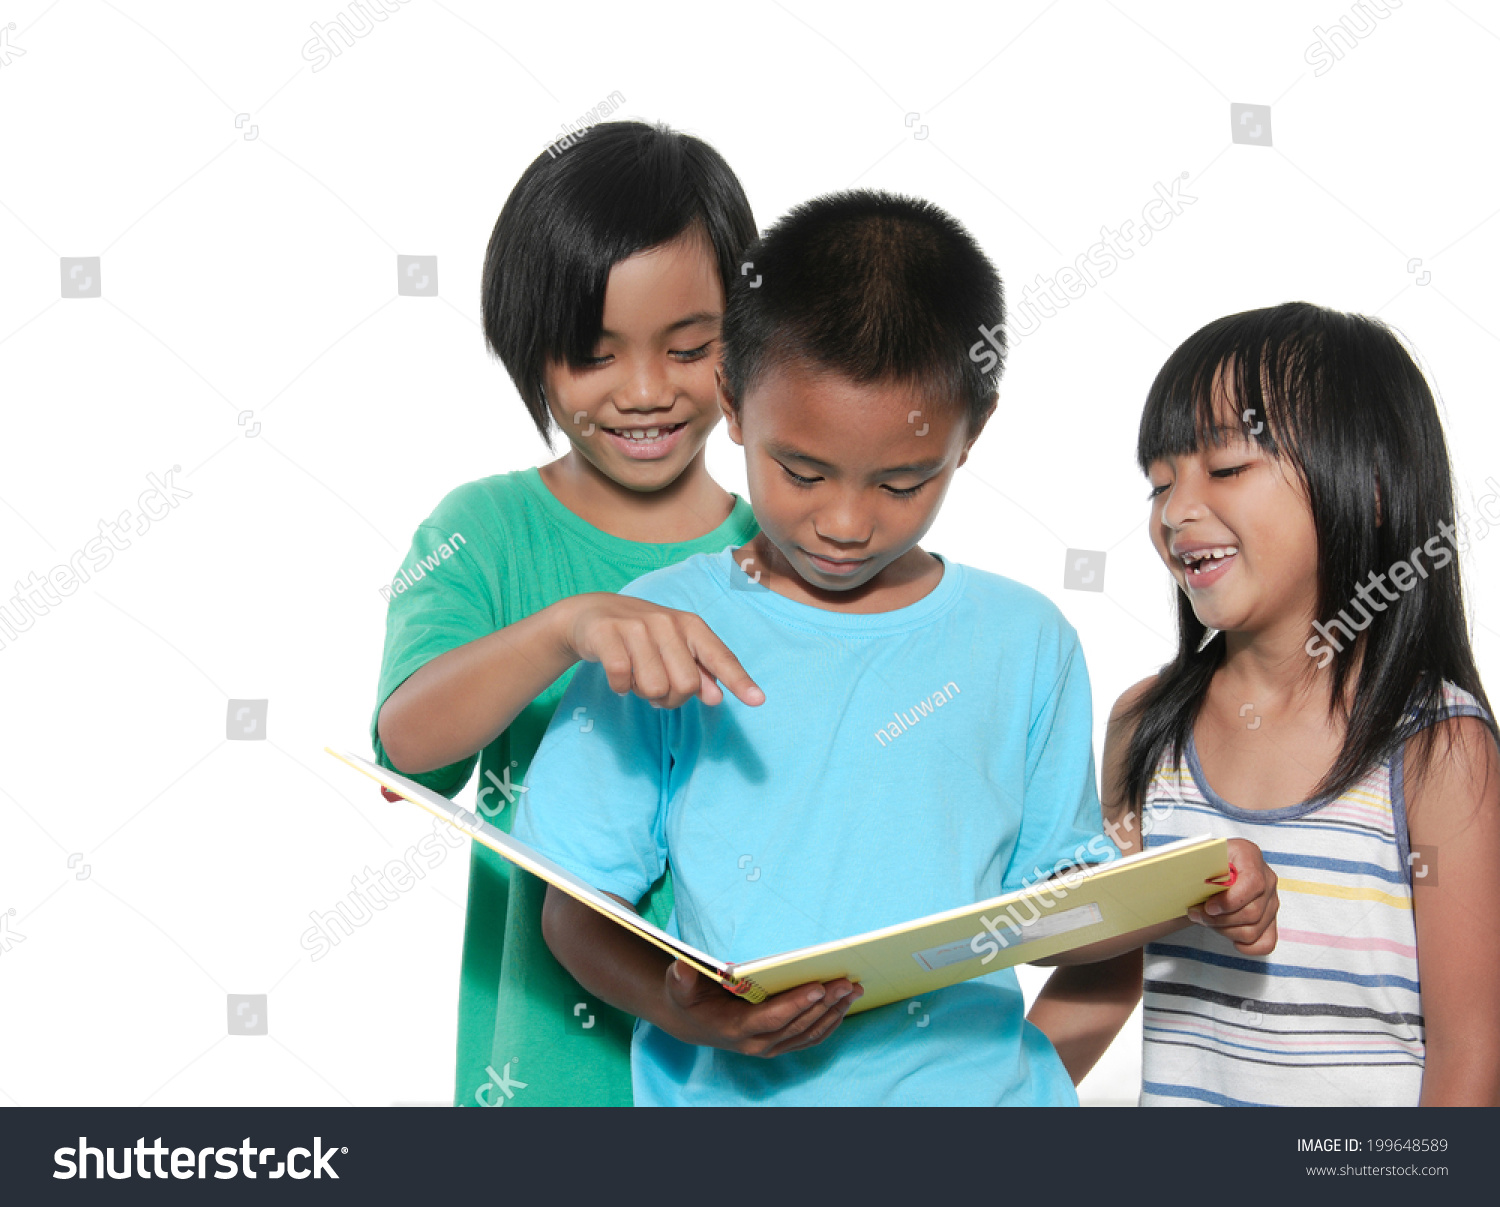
(560,618)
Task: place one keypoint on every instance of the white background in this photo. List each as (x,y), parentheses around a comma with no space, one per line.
(258,274)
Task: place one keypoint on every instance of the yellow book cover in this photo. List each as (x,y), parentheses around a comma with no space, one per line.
(1079,906)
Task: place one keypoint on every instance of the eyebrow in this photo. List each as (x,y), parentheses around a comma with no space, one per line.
(916,467)
(691,320)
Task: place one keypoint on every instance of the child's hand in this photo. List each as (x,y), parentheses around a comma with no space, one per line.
(1245,912)
(662,655)
(704,1013)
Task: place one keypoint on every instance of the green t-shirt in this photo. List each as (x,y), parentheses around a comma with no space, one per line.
(491,553)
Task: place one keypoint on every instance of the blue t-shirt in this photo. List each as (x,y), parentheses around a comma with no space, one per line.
(904,762)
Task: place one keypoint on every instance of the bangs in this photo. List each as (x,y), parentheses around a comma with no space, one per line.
(1249,374)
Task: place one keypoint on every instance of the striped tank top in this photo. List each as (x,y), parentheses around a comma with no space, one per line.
(1333,1017)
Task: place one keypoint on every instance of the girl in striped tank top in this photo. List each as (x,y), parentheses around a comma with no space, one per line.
(1324,704)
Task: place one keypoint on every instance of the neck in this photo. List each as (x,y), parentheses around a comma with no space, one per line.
(690,506)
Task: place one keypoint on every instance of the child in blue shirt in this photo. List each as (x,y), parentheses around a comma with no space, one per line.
(925,740)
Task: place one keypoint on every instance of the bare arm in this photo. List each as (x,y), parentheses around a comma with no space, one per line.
(459,702)
(1454,817)
(1082,1007)
(641,979)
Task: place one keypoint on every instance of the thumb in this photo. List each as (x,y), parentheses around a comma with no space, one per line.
(682,982)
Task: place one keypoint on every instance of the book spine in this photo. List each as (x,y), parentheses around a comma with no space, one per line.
(743,987)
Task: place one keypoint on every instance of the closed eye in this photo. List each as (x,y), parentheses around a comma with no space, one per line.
(694,353)
(1232,471)
(798,478)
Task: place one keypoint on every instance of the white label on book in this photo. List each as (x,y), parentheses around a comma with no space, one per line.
(1009,931)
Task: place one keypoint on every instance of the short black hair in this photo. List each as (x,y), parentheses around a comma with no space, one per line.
(622,188)
(873,286)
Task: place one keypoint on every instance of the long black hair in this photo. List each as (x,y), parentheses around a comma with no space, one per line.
(1340,401)
(622,188)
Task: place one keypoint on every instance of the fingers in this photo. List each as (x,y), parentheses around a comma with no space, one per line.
(716,660)
(663,655)
(663,669)
(1245,913)
(817,1030)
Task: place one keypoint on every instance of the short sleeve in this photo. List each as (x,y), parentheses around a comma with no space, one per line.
(1060,816)
(440,598)
(595,796)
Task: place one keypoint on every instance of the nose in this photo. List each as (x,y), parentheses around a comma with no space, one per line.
(842,521)
(1182,502)
(645,388)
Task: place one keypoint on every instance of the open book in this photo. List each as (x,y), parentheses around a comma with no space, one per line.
(1081,905)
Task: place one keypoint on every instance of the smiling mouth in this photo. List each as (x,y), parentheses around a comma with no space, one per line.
(645,433)
(1205,565)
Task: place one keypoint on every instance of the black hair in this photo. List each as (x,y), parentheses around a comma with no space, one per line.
(873,286)
(622,188)
(1340,400)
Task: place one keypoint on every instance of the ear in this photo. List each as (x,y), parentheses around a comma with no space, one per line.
(984,418)
(729,406)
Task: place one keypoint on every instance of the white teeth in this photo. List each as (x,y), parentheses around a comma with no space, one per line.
(1205,554)
(652,433)
(635,433)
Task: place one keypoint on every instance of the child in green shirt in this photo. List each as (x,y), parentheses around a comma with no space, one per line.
(604,286)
